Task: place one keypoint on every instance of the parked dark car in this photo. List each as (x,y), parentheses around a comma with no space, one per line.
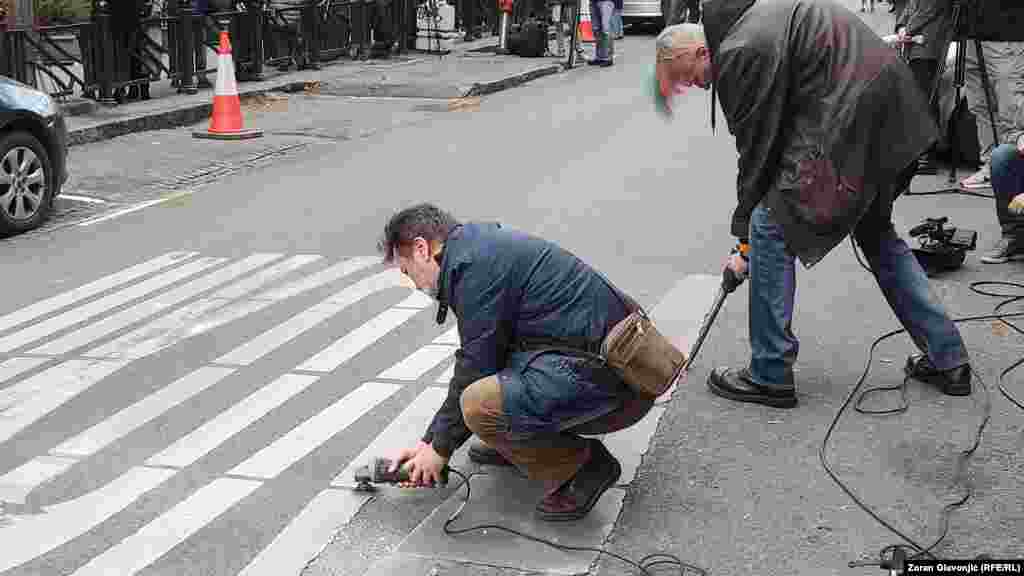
(33,156)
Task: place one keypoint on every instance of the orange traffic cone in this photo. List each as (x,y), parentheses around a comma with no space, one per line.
(226,119)
(586,29)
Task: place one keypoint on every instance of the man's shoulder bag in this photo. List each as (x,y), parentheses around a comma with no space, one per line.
(643,356)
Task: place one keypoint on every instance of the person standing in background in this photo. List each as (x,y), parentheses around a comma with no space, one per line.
(932,19)
(1004,65)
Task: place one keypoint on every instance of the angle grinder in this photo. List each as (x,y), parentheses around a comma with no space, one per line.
(378,471)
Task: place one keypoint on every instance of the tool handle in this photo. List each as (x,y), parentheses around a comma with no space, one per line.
(383,475)
(730,280)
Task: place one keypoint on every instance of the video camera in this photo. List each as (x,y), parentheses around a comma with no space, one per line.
(941,247)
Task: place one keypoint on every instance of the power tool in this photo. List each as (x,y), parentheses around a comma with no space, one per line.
(378,471)
(730,282)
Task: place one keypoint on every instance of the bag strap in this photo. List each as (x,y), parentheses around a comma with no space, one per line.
(630,304)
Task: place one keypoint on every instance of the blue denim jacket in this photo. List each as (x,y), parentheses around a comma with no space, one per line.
(505,287)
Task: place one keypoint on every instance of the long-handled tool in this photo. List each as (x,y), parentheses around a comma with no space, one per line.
(730,281)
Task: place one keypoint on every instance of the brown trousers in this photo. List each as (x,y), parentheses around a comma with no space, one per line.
(553,458)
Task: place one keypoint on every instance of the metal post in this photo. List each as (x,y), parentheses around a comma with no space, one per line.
(255,17)
(106,69)
(574,21)
(503,33)
(310,23)
(187,43)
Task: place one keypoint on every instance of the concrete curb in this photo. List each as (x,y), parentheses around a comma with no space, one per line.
(188,114)
(184,115)
(484,88)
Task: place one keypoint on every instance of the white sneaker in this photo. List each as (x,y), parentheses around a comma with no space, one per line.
(980,180)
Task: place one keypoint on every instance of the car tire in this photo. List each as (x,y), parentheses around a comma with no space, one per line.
(27,207)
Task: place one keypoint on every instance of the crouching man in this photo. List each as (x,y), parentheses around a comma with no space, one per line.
(516,297)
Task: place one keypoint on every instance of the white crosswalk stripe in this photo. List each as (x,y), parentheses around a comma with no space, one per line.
(74,352)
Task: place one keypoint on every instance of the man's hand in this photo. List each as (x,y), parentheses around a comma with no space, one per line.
(1020,145)
(1017,204)
(422,462)
(737,261)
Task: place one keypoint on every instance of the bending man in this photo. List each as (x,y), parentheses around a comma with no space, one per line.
(515,297)
(829,124)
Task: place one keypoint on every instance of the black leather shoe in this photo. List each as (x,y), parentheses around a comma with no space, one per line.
(574,499)
(480,453)
(955,382)
(737,385)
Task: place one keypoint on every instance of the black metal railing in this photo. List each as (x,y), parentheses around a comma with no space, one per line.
(110,58)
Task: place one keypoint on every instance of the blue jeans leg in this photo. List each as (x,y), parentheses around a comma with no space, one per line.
(773,346)
(907,290)
(617,23)
(601,22)
(1007,182)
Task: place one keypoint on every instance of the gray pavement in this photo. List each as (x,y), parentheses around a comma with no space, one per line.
(470,69)
(225,444)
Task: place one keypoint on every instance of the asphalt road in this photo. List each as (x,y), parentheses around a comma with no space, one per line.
(186,386)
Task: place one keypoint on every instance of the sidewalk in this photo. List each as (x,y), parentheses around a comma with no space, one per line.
(472,69)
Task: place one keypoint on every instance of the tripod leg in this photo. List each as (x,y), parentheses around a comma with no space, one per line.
(987,87)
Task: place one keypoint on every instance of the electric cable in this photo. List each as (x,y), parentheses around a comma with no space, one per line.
(645,565)
(922,551)
(948,191)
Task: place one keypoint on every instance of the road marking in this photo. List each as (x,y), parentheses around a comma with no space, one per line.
(303,439)
(265,277)
(18,483)
(125,318)
(15,366)
(307,534)
(59,301)
(205,438)
(344,348)
(26,537)
(258,347)
(86,199)
(326,276)
(400,433)
(450,337)
(447,375)
(96,307)
(278,336)
(136,208)
(171,528)
(415,365)
(311,527)
(196,318)
(29,400)
(117,426)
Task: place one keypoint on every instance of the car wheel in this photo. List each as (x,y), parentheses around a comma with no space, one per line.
(26,183)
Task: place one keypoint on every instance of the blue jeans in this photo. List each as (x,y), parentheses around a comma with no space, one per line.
(601,21)
(1007,182)
(904,284)
(617,23)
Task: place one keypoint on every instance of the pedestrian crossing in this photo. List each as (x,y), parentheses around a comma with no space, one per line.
(196,459)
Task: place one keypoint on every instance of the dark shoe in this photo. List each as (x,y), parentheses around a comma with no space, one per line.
(737,385)
(926,165)
(480,453)
(574,499)
(1005,250)
(955,382)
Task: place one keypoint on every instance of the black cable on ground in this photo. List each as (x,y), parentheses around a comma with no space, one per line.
(922,551)
(950,191)
(645,565)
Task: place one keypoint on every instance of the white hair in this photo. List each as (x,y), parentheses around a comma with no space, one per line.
(677,37)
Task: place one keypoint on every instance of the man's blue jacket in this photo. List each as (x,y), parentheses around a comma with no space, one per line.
(506,289)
